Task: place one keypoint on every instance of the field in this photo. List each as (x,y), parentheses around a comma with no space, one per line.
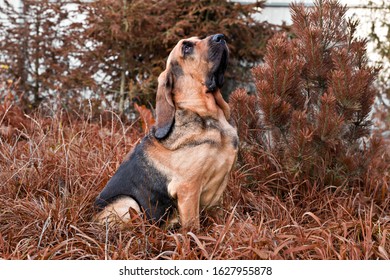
(52,168)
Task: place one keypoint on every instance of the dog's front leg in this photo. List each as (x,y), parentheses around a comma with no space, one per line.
(188,198)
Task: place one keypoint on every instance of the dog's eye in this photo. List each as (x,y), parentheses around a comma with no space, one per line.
(187,48)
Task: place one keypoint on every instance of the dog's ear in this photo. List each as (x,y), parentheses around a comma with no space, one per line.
(165,109)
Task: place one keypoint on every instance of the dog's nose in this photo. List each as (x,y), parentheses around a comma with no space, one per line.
(218,38)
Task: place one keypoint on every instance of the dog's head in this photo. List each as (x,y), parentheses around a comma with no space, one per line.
(195,67)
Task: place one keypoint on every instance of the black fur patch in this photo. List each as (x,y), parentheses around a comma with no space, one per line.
(140,180)
(176,69)
(235,142)
(163,132)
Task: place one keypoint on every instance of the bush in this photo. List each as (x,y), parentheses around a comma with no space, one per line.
(310,120)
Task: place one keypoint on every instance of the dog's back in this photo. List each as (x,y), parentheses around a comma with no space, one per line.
(138,179)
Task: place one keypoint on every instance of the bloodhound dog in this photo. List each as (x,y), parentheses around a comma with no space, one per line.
(183,164)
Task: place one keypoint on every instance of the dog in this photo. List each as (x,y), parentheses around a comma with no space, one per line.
(182,165)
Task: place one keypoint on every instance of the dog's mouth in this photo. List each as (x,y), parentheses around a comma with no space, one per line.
(222,68)
(218,55)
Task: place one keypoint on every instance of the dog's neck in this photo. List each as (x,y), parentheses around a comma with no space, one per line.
(204,104)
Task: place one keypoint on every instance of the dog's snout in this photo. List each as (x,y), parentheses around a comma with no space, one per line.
(218,38)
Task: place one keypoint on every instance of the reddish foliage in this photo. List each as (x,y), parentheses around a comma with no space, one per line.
(278,204)
(51,177)
(113,50)
(314,97)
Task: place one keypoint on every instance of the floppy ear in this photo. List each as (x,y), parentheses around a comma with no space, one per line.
(165,109)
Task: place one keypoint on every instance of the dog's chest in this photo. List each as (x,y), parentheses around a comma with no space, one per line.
(200,153)
(218,162)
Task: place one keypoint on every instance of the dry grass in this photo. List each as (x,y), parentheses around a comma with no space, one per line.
(51,170)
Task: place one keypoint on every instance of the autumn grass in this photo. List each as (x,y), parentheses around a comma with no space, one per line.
(52,168)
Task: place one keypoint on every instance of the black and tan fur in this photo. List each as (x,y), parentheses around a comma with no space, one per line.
(183,164)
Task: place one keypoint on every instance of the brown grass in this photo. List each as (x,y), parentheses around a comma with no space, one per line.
(51,170)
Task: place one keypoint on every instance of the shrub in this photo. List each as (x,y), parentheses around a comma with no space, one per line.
(309,123)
